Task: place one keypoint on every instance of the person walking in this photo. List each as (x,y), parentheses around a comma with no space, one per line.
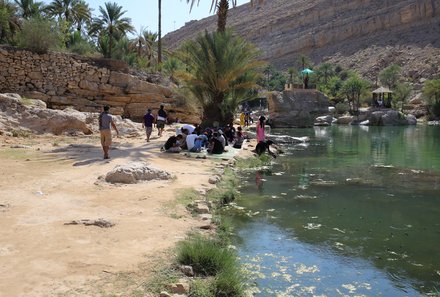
(261,124)
(161,119)
(148,124)
(105,121)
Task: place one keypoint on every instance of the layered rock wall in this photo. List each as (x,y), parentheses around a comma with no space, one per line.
(63,80)
(284,28)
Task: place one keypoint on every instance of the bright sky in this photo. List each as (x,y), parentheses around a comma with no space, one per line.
(175,13)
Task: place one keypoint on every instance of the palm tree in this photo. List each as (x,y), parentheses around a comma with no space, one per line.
(9,21)
(325,71)
(222,7)
(75,12)
(112,24)
(222,69)
(159,32)
(145,44)
(29,8)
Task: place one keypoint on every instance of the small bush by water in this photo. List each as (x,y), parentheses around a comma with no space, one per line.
(207,256)
(226,190)
(254,162)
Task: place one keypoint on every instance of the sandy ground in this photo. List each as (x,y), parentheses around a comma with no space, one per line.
(50,183)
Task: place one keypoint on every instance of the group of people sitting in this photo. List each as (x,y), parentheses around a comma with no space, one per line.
(195,139)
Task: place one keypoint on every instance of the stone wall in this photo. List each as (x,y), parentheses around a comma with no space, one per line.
(64,80)
(296,108)
(284,28)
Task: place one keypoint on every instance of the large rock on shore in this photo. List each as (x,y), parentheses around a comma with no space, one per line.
(135,172)
(17,113)
(32,116)
(390,118)
(296,108)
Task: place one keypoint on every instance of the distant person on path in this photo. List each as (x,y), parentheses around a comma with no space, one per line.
(148,124)
(161,120)
(306,81)
(105,121)
(242,116)
(261,124)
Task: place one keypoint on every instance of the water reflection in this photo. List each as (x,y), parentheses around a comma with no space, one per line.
(363,198)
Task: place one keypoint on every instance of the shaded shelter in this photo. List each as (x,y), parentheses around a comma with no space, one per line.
(305,73)
(382,97)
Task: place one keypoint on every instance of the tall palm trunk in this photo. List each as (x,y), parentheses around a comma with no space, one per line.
(159,42)
(222,14)
(110,43)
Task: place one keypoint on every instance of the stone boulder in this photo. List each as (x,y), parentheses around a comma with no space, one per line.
(286,139)
(345,120)
(324,120)
(18,113)
(390,118)
(296,108)
(136,172)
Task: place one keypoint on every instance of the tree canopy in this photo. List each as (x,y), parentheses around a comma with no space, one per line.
(221,70)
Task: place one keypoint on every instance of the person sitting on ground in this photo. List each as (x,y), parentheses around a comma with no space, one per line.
(190,142)
(215,145)
(263,146)
(200,142)
(173,144)
(229,132)
(238,143)
(222,138)
(184,133)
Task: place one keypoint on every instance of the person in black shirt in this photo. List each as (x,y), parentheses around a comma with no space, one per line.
(215,145)
(263,146)
(173,144)
(161,119)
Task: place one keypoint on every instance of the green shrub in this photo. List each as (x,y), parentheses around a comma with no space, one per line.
(207,256)
(201,288)
(21,133)
(39,35)
(342,107)
(255,162)
(229,283)
(224,230)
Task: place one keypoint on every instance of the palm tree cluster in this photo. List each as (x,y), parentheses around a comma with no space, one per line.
(81,32)
(221,72)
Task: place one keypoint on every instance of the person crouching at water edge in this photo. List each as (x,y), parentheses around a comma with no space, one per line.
(264,146)
(105,121)
(148,124)
(173,144)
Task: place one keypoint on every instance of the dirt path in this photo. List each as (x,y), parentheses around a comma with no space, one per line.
(42,189)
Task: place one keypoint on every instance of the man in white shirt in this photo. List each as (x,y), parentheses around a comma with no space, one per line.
(189,127)
(190,141)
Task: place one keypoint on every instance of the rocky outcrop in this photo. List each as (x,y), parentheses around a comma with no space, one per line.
(65,80)
(389,118)
(135,172)
(296,108)
(283,29)
(16,114)
(24,116)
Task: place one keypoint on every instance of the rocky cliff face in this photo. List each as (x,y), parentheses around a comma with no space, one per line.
(63,80)
(321,28)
